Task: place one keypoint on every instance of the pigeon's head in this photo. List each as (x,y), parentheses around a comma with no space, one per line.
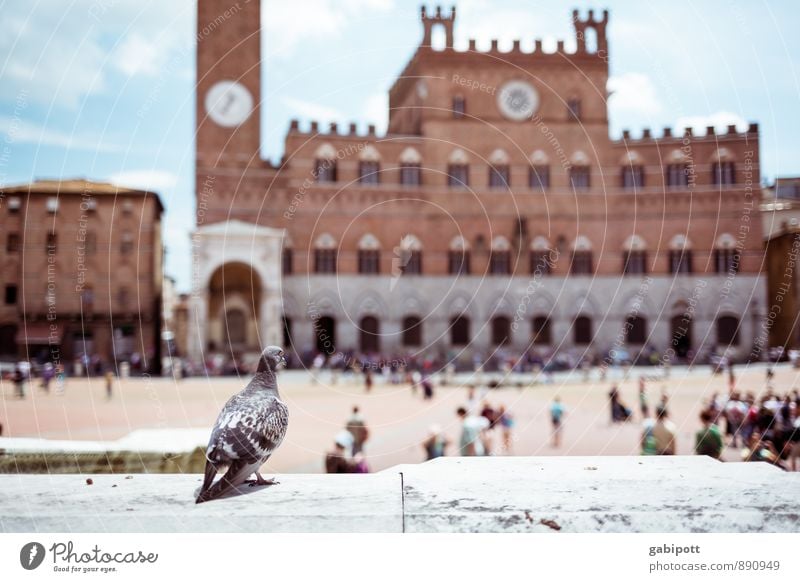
(271,358)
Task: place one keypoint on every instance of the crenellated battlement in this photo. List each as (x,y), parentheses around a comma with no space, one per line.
(429,22)
(597,26)
(332,129)
(668,134)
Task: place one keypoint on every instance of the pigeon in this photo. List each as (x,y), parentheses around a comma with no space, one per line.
(249,429)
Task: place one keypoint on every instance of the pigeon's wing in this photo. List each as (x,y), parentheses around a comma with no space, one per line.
(248,431)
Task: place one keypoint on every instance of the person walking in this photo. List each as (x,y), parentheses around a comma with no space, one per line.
(557,411)
(708,440)
(109,384)
(357,426)
(643,405)
(664,432)
(472,428)
(506,422)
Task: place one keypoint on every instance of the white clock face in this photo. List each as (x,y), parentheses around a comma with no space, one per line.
(518,100)
(228,103)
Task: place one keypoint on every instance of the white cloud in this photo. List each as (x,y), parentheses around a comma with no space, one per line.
(719,119)
(17,130)
(159,181)
(634,94)
(284,28)
(376,110)
(137,54)
(312,111)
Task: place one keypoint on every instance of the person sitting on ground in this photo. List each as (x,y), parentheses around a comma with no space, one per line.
(338,460)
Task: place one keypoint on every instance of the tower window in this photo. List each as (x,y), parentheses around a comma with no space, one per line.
(11,295)
(410,174)
(634,263)
(539,177)
(458,262)
(459,107)
(633,177)
(574,109)
(680,261)
(324,260)
(369,262)
(287,261)
(582,263)
(579,177)
(458,175)
(677,175)
(723,173)
(51,244)
(499,176)
(369,172)
(12,242)
(325,170)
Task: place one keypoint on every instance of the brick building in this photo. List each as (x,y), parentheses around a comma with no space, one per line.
(82,273)
(495,213)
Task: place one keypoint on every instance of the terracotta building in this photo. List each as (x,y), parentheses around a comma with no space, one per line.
(81,274)
(495,212)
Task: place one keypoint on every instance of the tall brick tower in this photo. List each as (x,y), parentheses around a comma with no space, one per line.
(228,84)
(236,291)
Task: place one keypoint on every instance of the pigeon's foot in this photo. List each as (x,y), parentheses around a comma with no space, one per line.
(259,481)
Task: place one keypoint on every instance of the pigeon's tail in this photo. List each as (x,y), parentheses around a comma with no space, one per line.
(211,472)
(233,477)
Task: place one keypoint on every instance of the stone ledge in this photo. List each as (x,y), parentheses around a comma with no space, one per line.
(502,494)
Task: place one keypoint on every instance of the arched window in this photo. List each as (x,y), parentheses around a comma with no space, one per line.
(582,330)
(500,257)
(412,331)
(634,257)
(632,171)
(458,258)
(458,169)
(680,256)
(635,329)
(369,255)
(540,328)
(459,106)
(126,243)
(501,330)
(574,109)
(12,242)
(579,172)
(541,257)
(499,170)
(410,167)
(90,243)
(676,174)
(582,260)
(727,330)
(325,254)
(409,255)
(369,166)
(539,173)
(459,330)
(726,255)
(325,163)
(51,243)
(723,168)
(287,261)
(370,334)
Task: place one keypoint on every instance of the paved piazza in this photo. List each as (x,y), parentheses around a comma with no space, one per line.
(398,419)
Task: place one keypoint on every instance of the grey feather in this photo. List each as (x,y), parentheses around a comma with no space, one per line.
(249,429)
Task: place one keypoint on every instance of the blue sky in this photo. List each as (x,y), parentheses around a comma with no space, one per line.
(103,89)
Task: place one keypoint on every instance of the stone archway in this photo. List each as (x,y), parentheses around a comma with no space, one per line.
(234,299)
